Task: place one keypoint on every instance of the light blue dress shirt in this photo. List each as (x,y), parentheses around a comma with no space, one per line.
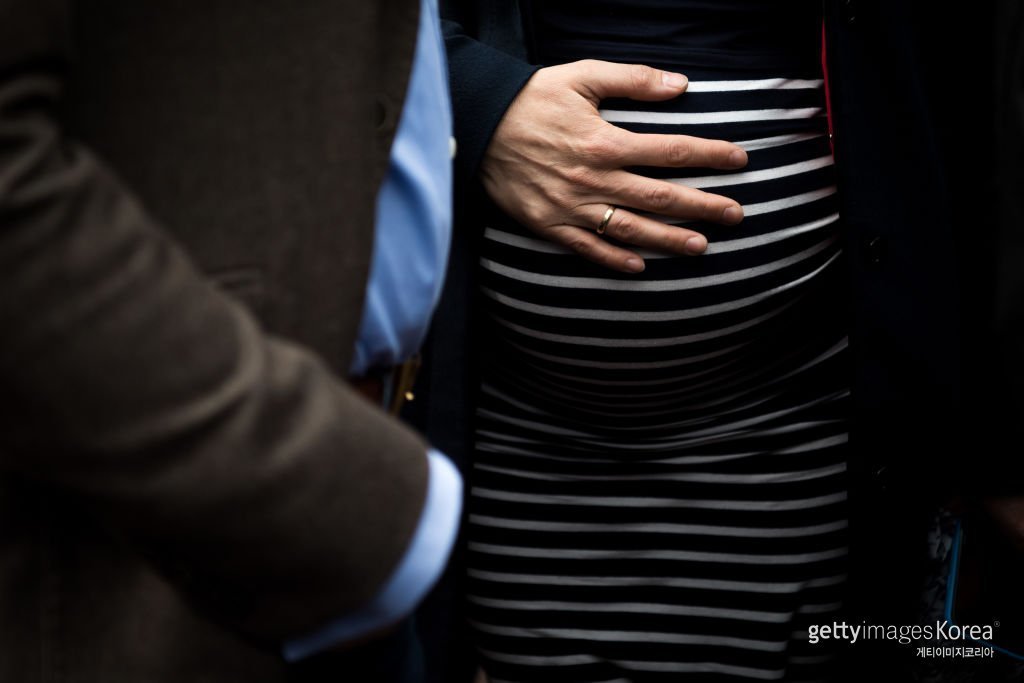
(413,234)
(414,214)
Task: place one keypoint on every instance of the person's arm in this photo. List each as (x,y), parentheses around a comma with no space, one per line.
(270,493)
(484,82)
(535,139)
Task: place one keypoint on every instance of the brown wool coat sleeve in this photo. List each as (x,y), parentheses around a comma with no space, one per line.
(267,490)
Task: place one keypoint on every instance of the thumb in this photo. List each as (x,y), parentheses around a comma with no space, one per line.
(598,80)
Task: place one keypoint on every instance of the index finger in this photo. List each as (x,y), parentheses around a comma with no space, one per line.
(677,151)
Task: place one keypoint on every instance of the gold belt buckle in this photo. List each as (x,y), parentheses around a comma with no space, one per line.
(402,383)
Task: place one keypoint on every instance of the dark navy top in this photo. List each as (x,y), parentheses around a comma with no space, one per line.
(752,35)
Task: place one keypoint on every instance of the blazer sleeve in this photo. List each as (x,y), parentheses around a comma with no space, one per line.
(271,493)
(484,82)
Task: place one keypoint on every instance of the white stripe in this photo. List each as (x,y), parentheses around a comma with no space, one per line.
(707,477)
(787,202)
(491,679)
(586,449)
(731,429)
(657,435)
(540,424)
(652,316)
(539,660)
(495,235)
(726,246)
(681,460)
(696,118)
(776,141)
(608,284)
(650,502)
(504,449)
(635,608)
(647,343)
(658,528)
(673,555)
(755,176)
(820,608)
(584,397)
(759,208)
(718,247)
(540,246)
(639,365)
(691,397)
(781,588)
(662,667)
(706,667)
(740,429)
(716,438)
(593,414)
(673,379)
(728,367)
(676,399)
(632,637)
(581,397)
(534,426)
(659,445)
(758,84)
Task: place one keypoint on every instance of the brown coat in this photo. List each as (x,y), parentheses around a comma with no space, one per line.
(185,484)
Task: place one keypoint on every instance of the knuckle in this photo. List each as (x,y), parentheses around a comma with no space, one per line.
(657,197)
(640,76)
(626,227)
(709,207)
(580,244)
(534,215)
(598,148)
(678,153)
(580,175)
(583,69)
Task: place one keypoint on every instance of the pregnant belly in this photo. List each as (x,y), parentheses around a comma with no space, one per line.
(765,289)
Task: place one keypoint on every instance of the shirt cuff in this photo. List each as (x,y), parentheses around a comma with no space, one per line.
(422,565)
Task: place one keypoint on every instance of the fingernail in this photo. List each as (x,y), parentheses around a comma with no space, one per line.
(738,158)
(696,245)
(635,265)
(673,80)
(733,214)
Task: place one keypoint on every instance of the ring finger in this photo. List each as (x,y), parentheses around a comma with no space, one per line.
(630,228)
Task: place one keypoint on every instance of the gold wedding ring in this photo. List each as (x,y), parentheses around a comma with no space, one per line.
(607,218)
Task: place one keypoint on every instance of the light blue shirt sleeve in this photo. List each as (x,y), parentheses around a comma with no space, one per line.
(423,563)
(414,213)
(413,235)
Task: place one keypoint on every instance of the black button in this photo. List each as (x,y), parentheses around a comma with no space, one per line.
(874,251)
(385,115)
(850,11)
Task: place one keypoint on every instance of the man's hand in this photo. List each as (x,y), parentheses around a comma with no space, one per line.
(555,165)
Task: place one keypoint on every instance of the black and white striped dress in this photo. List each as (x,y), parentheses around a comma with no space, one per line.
(659,487)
